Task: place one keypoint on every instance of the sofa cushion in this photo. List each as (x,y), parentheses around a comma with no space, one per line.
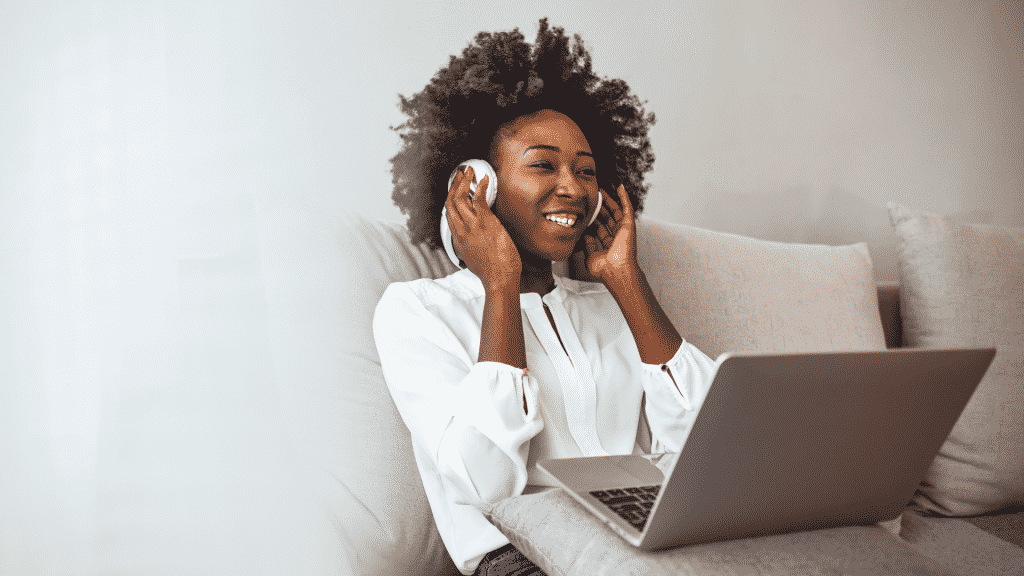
(324,272)
(962,285)
(726,292)
(564,539)
(961,546)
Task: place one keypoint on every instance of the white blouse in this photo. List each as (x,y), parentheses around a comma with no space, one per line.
(474,443)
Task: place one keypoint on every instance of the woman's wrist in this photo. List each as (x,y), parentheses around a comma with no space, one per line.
(502,287)
(501,330)
(656,338)
(623,282)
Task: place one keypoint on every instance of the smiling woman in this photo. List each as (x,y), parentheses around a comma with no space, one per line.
(505,363)
(498,78)
(535,154)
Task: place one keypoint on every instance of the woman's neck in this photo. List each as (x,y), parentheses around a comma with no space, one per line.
(536,276)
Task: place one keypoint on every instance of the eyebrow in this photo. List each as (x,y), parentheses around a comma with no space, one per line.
(555,149)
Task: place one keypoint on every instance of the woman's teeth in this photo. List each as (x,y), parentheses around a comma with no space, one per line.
(563,220)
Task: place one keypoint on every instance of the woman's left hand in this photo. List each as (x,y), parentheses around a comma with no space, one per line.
(611,258)
(611,255)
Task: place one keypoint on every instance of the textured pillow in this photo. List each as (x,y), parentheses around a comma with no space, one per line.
(726,292)
(565,539)
(962,285)
(324,272)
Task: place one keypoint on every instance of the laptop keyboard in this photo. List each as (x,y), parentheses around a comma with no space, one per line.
(632,504)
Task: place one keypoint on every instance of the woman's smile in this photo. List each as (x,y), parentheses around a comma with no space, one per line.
(566,221)
(546,172)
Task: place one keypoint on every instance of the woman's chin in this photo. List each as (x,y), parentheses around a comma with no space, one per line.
(561,253)
(544,256)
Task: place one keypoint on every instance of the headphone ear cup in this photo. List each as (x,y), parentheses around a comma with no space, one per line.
(481,168)
(446,239)
(600,201)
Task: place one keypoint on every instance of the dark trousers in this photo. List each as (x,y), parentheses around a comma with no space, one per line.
(507,561)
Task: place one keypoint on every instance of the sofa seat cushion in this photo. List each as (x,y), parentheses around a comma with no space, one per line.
(963,286)
(968,546)
(564,539)
(1006,524)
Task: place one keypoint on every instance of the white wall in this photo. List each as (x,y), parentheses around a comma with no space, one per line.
(793,121)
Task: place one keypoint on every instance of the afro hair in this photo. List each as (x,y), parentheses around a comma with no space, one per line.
(500,77)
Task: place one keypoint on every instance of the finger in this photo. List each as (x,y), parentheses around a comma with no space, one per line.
(606,215)
(604,228)
(608,220)
(612,202)
(456,189)
(627,207)
(480,196)
(455,218)
(457,203)
(462,198)
(605,236)
(455,183)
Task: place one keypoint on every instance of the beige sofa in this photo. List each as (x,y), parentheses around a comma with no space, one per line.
(325,271)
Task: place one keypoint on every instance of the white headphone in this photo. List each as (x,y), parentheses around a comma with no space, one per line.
(481,168)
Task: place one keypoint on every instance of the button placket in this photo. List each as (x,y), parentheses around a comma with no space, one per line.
(587,389)
(568,380)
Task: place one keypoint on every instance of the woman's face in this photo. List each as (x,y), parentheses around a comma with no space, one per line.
(547,183)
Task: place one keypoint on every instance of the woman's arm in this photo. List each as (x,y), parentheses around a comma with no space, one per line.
(611,258)
(466,417)
(675,374)
(656,338)
(489,252)
(501,332)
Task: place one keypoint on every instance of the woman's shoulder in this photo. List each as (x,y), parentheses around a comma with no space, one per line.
(432,305)
(432,292)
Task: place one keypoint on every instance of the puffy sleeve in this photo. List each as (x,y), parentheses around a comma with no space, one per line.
(675,391)
(468,417)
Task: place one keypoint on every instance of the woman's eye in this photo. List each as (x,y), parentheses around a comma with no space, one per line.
(543,165)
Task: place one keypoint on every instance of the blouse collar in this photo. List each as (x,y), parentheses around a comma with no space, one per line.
(564,288)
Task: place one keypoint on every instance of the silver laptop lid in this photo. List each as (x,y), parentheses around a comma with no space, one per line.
(803,441)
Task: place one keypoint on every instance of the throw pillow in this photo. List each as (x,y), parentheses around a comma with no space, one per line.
(571,542)
(726,292)
(962,285)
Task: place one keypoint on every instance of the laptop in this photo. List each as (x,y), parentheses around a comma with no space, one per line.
(784,443)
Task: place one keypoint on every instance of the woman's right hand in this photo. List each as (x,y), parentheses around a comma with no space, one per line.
(479,237)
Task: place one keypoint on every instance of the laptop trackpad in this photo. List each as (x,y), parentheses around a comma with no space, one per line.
(620,472)
(641,468)
(601,472)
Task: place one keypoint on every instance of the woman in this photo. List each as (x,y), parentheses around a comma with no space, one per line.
(504,363)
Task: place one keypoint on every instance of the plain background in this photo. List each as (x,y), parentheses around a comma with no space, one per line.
(792,121)
(139,416)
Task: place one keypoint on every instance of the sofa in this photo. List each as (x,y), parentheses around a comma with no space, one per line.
(960,285)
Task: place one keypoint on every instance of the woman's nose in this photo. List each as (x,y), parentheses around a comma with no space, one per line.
(569,186)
